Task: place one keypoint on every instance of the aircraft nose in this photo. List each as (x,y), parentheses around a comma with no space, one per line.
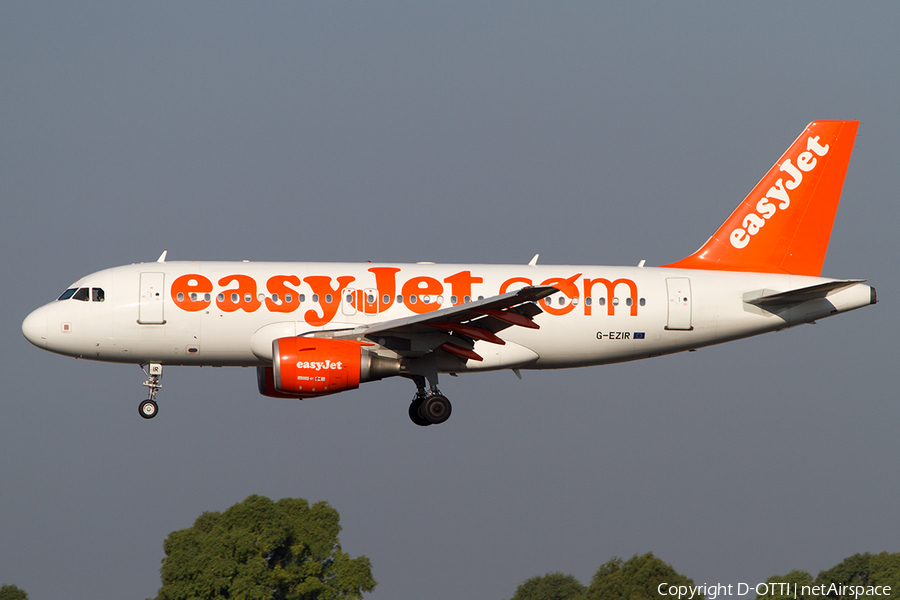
(34,328)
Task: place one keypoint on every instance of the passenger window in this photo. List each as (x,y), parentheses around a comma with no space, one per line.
(643,302)
(588,301)
(453,300)
(615,301)
(81,294)
(328,299)
(301,298)
(628,302)
(601,301)
(97,295)
(385,299)
(67,294)
(399,299)
(412,299)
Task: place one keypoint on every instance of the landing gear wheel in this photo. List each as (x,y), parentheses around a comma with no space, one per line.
(435,409)
(148,409)
(414,416)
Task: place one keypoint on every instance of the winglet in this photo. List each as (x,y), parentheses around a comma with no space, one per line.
(784,225)
(533,261)
(162,257)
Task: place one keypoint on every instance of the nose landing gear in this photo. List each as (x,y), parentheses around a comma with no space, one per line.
(148,408)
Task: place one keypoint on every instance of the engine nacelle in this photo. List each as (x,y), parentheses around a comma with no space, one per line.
(307,367)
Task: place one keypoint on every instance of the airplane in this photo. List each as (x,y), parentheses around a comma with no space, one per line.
(314,329)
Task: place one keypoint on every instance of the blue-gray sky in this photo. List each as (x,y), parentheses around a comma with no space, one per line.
(452,132)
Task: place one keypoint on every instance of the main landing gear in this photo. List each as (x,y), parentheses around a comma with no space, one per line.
(429,407)
(148,408)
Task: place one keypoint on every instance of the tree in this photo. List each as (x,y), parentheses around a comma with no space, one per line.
(12,592)
(866,570)
(552,586)
(260,549)
(795,577)
(857,570)
(637,578)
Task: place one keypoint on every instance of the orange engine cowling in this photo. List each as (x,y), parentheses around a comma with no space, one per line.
(308,367)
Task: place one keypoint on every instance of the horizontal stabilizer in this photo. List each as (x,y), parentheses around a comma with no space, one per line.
(775,300)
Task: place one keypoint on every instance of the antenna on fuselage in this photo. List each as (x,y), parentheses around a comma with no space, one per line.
(162,257)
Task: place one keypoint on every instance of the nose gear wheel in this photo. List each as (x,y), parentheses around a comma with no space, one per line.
(148,409)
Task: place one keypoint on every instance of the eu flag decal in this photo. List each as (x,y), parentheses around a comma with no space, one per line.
(638,335)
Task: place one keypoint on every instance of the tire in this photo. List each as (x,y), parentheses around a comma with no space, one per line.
(436,409)
(148,409)
(414,416)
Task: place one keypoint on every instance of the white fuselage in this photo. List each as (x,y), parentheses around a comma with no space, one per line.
(228,313)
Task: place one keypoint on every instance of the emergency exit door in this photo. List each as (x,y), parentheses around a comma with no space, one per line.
(679,289)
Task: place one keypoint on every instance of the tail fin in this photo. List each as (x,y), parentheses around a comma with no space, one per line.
(783,226)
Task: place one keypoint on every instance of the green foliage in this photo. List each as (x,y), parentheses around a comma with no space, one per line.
(800,578)
(552,586)
(865,569)
(12,592)
(637,578)
(260,549)
(857,570)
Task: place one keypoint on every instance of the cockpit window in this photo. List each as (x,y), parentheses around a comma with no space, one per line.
(84,294)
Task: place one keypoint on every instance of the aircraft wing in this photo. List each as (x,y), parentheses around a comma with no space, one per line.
(454,329)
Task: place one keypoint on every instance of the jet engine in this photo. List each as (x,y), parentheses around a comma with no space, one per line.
(307,367)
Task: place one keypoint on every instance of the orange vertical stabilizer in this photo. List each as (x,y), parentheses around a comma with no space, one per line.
(784,224)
